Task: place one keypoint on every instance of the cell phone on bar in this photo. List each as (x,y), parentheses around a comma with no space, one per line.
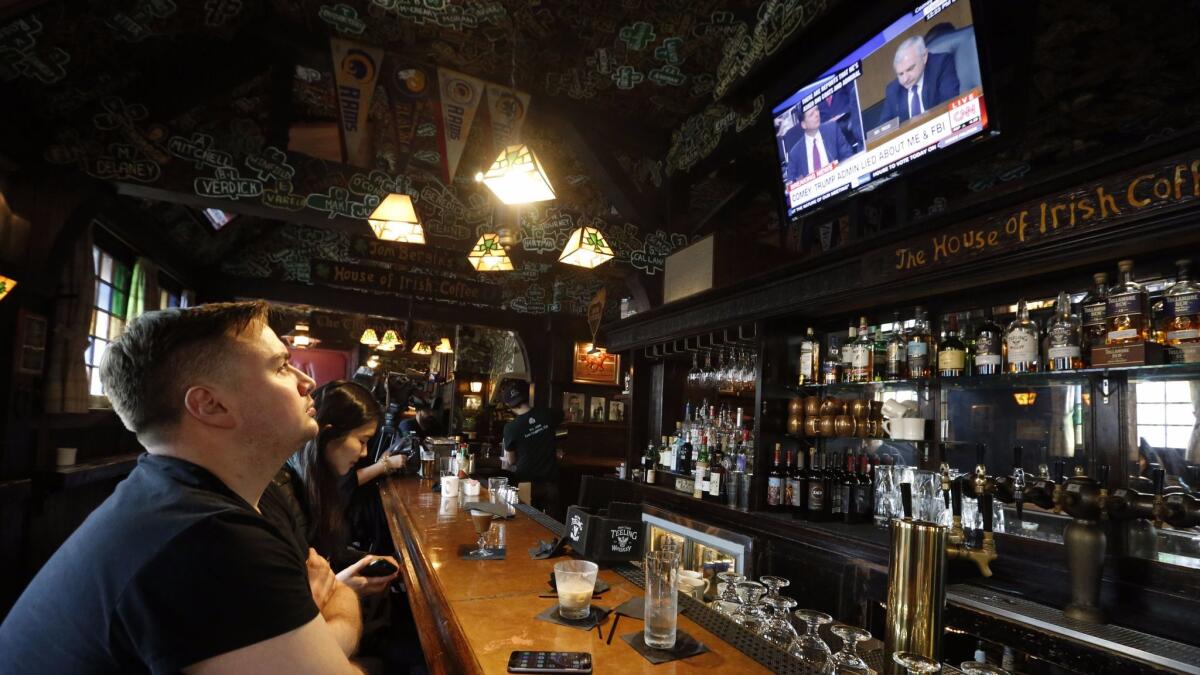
(549,662)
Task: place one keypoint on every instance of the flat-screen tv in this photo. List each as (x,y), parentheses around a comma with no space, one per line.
(909,91)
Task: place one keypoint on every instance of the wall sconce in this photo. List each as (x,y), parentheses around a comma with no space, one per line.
(369,338)
(1025,398)
(586,248)
(443,346)
(476,386)
(517,177)
(6,286)
(396,220)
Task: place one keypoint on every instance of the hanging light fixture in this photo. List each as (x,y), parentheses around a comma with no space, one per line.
(488,255)
(390,339)
(386,347)
(396,220)
(476,386)
(299,337)
(586,248)
(369,338)
(517,177)
(443,346)
(6,286)
(422,349)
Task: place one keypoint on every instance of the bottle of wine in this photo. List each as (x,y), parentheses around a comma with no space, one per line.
(717,483)
(788,484)
(816,508)
(795,485)
(800,491)
(865,502)
(850,491)
(833,487)
(775,483)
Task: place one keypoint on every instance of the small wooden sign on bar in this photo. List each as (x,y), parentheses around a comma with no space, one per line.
(1141,354)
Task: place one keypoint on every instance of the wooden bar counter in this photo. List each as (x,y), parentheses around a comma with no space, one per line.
(471,615)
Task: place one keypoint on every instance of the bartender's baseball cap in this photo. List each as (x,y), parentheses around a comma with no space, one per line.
(515,393)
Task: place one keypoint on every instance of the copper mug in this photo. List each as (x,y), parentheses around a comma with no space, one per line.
(844,425)
(860,408)
(795,424)
(874,427)
(795,406)
(812,425)
(830,406)
(812,406)
(827,426)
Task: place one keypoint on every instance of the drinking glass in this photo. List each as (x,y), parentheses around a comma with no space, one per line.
(779,629)
(693,375)
(750,613)
(848,660)
(494,489)
(916,664)
(773,584)
(575,580)
(981,668)
(661,609)
(482,520)
(808,646)
(727,601)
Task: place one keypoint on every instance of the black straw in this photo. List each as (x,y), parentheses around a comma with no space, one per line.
(613,631)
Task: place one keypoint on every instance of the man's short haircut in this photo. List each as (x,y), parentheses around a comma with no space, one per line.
(915,41)
(516,392)
(148,369)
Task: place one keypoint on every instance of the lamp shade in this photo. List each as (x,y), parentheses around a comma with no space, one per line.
(6,286)
(517,177)
(422,348)
(390,338)
(386,347)
(369,338)
(586,248)
(396,220)
(476,386)
(488,255)
(443,346)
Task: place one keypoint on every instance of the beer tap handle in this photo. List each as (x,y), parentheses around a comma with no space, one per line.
(1159,481)
(981,454)
(945,476)
(956,498)
(1102,475)
(1018,488)
(906,502)
(1159,510)
(985,510)
(1059,469)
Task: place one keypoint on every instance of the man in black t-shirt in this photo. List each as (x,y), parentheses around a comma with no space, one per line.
(531,438)
(178,569)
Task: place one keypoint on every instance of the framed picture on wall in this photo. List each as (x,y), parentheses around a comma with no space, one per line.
(616,411)
(595,365)
(596,406)
(31,343)
(574,409)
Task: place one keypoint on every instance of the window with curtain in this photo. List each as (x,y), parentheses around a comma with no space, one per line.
(113,279)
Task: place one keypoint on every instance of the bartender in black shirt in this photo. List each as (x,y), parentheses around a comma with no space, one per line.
(530,437)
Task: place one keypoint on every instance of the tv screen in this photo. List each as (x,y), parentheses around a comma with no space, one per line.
(911,90)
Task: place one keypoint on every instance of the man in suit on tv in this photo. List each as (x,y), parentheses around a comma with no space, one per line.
(923,80)
(820,145)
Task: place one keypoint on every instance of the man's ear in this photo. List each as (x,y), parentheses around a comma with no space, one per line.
(204,406)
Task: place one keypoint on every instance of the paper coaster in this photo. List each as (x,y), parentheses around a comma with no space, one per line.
(633,608)
(597,616)
(493,553)
(685,646)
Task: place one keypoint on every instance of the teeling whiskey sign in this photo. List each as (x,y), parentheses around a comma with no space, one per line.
(384,280)
(1165,185)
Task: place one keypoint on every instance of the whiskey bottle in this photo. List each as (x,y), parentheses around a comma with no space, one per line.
(775,483)
(919,347)
(989,346)
(1063,337)
(862,354)
(1126,313)
(880,347)
(831,369)
(1021,342)
(897,352)
(1094,306)
(816,508)
(952,353)
(1181,308)
(848,354)
(810,359)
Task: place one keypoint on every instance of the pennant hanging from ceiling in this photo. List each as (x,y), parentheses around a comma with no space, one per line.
(506,111)
(412,92)
(356,70)
(460,98)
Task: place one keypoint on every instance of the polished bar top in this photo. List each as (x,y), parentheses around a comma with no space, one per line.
(472,614)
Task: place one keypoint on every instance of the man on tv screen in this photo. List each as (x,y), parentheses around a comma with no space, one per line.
(820,145)
(923,80)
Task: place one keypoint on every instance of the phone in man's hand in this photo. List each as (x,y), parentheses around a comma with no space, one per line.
(379,567)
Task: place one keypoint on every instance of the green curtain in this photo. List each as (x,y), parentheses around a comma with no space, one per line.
(143,289)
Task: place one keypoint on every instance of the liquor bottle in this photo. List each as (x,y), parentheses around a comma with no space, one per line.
(850,490)
(897,351)
(862,354)
(775,483)
(650,462)
(1021,342)
(684,463)
(831,368)
(989,346)
(1094,306)
(717,483)
(667,454)
(865,503)
(952,353)
(1181,308)
(880,349)
(833,487)
(701,469)
(1125,314)
(816,508)
(1063,337)
(919,347)
(788,485)
(800,485)
(810,359)
(848,354)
